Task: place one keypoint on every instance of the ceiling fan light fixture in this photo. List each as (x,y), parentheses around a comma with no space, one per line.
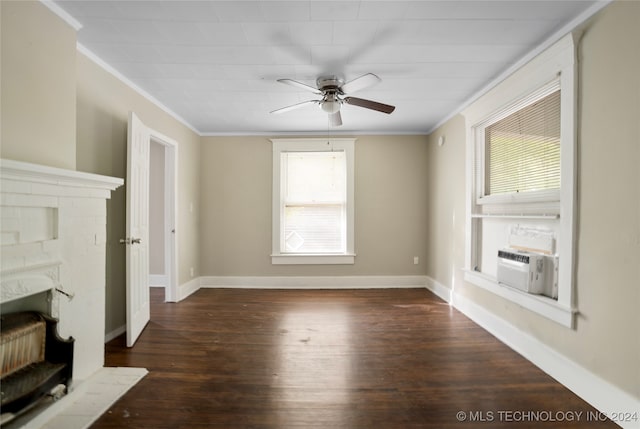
(330,106)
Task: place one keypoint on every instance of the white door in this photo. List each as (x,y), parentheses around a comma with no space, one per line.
(137,228)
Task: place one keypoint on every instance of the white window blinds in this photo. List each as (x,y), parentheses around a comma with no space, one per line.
(314,202)
(523,149)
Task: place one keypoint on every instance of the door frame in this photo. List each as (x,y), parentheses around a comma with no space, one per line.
(170,212)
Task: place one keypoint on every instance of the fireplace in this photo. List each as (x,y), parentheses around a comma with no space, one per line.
(52,274)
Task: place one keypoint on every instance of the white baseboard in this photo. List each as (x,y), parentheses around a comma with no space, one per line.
(186,289)
(601,394)
(314,282)
(115,333)
(158,280)
(439,290)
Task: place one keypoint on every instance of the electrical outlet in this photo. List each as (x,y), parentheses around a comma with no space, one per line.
(191,271)
(416,260)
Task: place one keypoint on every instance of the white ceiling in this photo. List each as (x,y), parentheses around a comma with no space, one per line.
(215,63)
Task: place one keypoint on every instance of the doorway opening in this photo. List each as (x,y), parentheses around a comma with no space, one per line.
(162,182)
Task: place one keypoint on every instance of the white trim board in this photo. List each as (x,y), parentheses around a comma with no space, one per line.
(115,333)
(314,282)
(77,181)
(601,394)
(158,280)
(186,289)
(295,134)
(62,14)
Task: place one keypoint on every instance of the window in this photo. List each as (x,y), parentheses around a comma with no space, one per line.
(518,154)
(521,177)
(523,149)
(313,201)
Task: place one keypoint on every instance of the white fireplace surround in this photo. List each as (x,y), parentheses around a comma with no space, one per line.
(53,226)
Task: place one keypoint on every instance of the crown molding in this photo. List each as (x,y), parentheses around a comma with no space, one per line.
(70,20)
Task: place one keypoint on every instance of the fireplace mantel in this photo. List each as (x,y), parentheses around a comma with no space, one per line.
(53,234)
(77,182)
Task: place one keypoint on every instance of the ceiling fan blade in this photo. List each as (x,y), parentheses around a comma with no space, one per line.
(300,85)
(335,119)
(368,104)
(359,83)
(295,106)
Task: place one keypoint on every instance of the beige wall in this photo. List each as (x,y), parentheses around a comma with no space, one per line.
(103,105)
(390,208)
(61,109)
(606,339)
(38,112)
(446,190)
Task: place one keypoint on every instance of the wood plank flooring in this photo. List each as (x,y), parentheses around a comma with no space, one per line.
(396,358)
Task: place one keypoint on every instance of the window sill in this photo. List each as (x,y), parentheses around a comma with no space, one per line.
(313,259)
(542,305)
(548,196)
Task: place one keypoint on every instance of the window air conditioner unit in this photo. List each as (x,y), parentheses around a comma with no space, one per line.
(527,271)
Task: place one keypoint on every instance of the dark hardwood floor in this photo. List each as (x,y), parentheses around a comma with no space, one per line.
(397,358)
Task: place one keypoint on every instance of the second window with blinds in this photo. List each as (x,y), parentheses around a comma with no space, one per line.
(518,158)
(313,201)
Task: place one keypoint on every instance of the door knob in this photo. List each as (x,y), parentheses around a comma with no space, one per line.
(130,240)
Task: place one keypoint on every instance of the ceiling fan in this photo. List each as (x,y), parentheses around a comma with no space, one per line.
(333,91)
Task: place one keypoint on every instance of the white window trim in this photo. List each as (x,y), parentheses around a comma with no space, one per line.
(312,145)
(558,60)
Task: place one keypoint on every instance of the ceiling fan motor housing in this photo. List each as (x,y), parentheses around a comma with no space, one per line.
(329,83)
